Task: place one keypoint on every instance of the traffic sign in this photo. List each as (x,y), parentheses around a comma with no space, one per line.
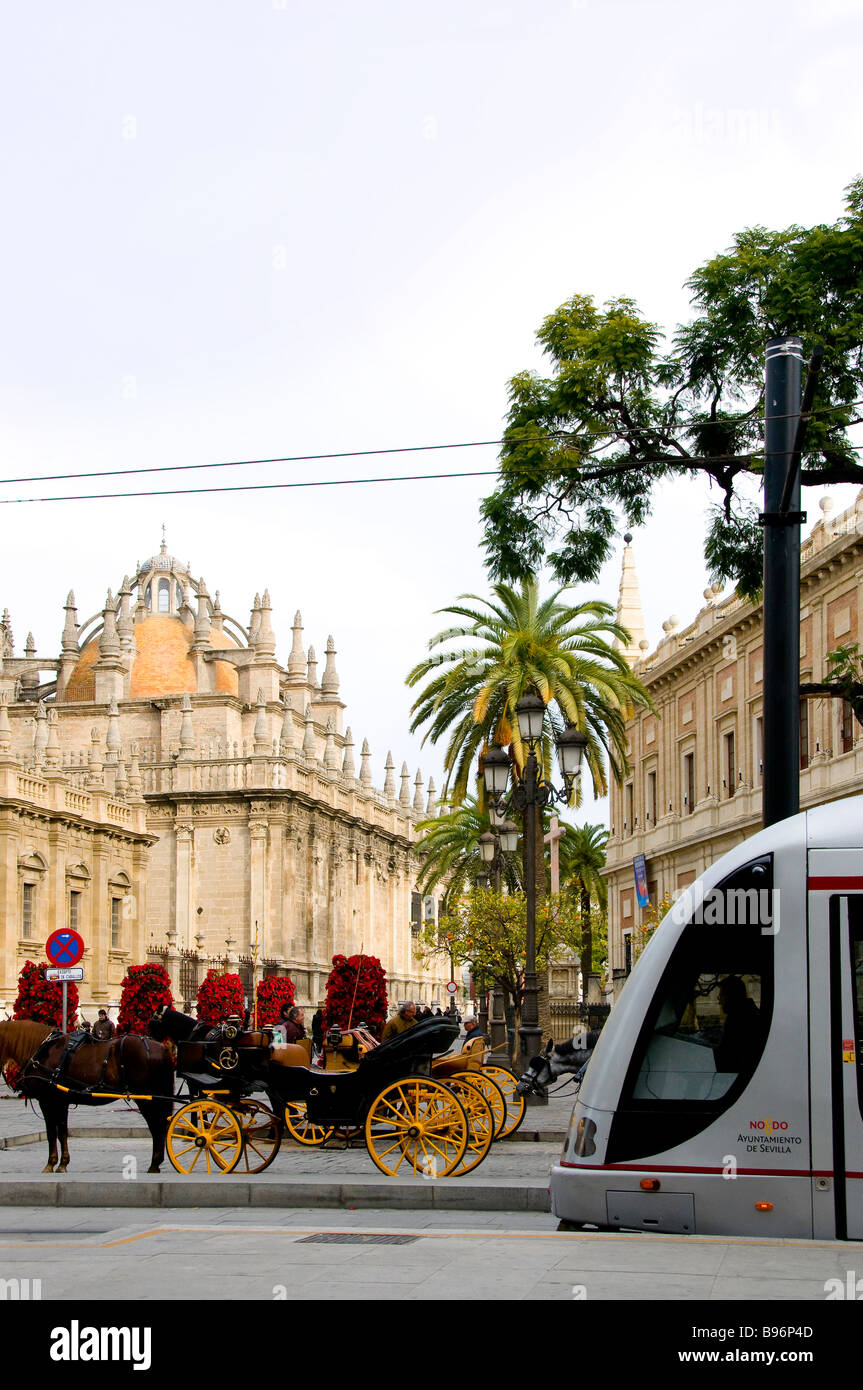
(64,973)
(452,987)
(64,947)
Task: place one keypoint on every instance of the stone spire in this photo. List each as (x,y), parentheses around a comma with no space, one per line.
(405,793)
(53,758)
(7,641)
(266,638)
(255,621)
(95,777)
(109,642)
(297,658)
(365,764)
(29,679)
(30,647)
(187,731)
(69,642)
(431,804)
(389,779)
(312,670)
(331,757)
(217,617)
(418,793)
(134,791)
(112,738)
(309,735)
(629,613)
(121,784)
(40,735)
(262,743)
(125,623)
(289,742)
(348,767)
(202,617)
(5,727)
(330,678)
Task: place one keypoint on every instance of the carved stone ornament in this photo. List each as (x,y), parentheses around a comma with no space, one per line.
(222,835)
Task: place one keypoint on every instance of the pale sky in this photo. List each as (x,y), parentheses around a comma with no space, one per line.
(245,230)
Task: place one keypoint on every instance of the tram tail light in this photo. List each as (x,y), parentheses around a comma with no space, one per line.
(650,1184)
(763,1206)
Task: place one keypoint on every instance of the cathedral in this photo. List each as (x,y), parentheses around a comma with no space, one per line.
(174,793)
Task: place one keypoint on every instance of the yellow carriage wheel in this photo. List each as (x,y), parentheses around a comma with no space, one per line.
(480,1120)
(204,1135)
(515,1104)
(417,1126)
(492,1093)
(262,1135)
(300,1127)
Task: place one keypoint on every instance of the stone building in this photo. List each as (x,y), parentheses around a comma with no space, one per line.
(695,787)
(271,848)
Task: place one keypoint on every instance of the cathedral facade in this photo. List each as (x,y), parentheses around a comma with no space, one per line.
(254,837)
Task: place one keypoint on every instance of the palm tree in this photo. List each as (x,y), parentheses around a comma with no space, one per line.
(449,850)
(582,859)
(523,644)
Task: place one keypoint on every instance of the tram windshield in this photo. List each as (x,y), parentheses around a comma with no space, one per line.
(705,1031)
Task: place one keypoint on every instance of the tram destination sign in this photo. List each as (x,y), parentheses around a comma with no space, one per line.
(65,973)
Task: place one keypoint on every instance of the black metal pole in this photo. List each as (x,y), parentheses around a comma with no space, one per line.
(530,1034)
(781,773)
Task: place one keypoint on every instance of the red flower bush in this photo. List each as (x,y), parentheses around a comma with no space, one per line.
(274,991)
(42,1000)
(145,989)
(370,1004)
(218,997)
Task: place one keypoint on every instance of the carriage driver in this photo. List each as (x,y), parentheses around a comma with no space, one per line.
(400,1022)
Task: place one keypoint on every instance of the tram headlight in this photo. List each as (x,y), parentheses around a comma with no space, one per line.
(584,1135)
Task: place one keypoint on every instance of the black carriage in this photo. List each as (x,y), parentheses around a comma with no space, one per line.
(411,1121)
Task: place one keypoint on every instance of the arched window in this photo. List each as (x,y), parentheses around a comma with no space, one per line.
(164,596)
(148,597)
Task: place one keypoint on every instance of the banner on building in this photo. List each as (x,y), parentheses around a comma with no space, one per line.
(640,868)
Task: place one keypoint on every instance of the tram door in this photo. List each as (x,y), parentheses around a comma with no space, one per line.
(836,1042)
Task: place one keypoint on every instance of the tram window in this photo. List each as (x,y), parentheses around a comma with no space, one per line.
(705,1031)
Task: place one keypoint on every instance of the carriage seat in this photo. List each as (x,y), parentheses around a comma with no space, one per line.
(471,1059)
(296,1054)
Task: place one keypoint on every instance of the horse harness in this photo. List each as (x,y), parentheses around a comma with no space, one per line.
(58,1076)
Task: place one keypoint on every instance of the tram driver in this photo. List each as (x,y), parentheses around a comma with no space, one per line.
(742,1032)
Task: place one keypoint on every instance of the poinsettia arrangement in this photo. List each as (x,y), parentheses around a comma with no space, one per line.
(274,992)
(145,989)
(219,996)
(353,1000)
(41,1000)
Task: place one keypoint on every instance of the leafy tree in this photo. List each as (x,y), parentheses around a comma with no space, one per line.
(450,853)
(488,930)
(521,643)
(582,854)
(650,920)
(622,411)
(844,679)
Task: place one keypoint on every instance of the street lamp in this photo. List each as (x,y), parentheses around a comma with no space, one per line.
(529,795)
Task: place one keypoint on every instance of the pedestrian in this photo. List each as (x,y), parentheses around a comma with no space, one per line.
(318,1028)
(103,1029)
(472,1033)
(293,1022)
(400,1022)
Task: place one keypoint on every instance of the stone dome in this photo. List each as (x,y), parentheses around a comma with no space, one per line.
(162,664)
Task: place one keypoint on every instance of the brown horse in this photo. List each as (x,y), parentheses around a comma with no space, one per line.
(124,1066)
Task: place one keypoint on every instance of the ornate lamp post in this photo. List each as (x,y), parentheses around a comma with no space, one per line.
(533,792)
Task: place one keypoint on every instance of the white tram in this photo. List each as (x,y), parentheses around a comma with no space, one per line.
(725,1094)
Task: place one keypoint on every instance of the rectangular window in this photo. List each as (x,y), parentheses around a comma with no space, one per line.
(804,734)
(629,807)
(651,798)
(28,894)
(627,951)
(730,765)
(846,732)
(116,909)
(689,782)
(758,751)
(74,910)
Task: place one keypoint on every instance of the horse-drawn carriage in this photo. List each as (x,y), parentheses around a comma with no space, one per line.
(415,1114)
(416,1111)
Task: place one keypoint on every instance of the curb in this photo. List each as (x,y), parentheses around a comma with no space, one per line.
(460,1195)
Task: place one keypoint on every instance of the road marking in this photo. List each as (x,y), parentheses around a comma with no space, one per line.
(643,1238)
